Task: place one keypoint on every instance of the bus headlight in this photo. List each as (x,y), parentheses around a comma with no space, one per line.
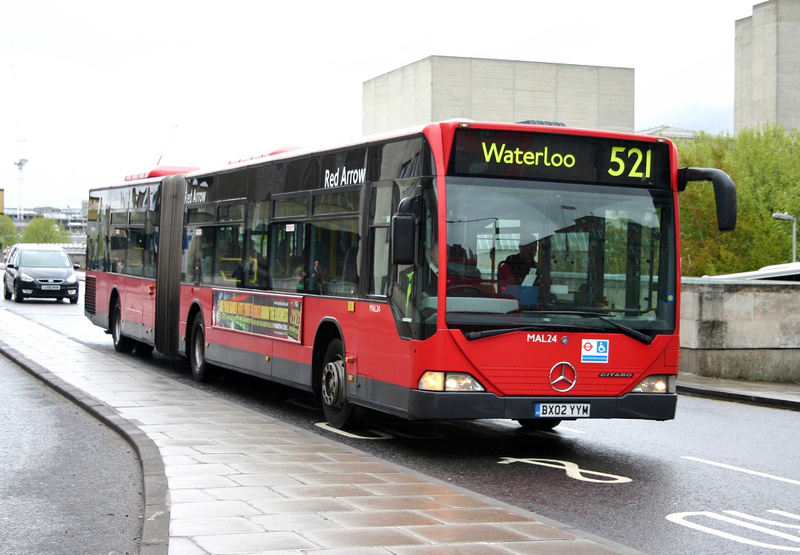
(449,381)
(656,384)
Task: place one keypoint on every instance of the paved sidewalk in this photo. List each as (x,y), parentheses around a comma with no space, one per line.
(768,394)
(220,479)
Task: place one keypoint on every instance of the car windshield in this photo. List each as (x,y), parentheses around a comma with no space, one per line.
(547,255)
(44,259)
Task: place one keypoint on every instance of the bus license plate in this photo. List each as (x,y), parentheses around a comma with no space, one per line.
(51,287)
(562,410)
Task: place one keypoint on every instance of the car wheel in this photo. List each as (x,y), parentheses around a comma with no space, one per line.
(18,296)
(73,300)
(6,293)
(202,371)
(338,411)
(122,343)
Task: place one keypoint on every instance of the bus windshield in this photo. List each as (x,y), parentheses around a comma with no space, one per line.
(559,256)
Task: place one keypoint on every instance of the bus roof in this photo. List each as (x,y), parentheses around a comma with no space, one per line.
(161,171)
(440,127)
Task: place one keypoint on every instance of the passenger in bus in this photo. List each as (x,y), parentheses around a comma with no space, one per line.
(254,273)
(316,285)
(516,267)
(299,274)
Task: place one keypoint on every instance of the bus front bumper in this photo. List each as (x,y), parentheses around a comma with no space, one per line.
(434,405)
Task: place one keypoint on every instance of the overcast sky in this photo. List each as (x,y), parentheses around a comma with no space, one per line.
(96,90)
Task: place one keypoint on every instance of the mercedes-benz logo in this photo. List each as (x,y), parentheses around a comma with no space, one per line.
(563,377)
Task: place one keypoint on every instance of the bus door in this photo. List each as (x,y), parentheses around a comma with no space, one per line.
(136,289)
(123,261)
(149,268)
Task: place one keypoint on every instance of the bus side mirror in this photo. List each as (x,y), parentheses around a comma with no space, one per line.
(403,238)
(404,226)
(724,192)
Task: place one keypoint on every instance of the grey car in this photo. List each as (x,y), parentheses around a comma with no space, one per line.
(40,272)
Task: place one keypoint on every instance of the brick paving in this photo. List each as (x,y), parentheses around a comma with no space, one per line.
(221,479)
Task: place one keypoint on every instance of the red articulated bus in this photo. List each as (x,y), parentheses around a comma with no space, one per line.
(462,270)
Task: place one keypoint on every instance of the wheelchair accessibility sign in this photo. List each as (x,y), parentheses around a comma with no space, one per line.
(594,350)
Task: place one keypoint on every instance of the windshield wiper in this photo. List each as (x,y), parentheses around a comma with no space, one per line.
(630,332)
(500,331)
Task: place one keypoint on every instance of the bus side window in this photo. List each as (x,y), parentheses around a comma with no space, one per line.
(384,199)
(257,274)
(135,252)
(335,255)
(118,246)
(228,255)
(199,261)
(287,258)
(379,278)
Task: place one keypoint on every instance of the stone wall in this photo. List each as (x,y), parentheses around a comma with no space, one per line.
(446,87)
(741,329)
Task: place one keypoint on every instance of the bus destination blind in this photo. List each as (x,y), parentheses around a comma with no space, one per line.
(560,157)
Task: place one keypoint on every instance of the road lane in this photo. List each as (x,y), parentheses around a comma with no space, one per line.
(655,459)
(68,484)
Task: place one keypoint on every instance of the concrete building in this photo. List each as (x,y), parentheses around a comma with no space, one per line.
(767,87)
(443,87)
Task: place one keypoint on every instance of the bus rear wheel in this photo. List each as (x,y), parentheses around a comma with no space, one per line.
(202,371)
(338,410)
(122,344)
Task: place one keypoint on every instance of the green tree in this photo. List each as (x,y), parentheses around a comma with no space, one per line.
(45,230)
(8,232)
(765,166)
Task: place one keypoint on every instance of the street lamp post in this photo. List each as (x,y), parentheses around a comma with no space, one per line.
(792,219)
(19,163)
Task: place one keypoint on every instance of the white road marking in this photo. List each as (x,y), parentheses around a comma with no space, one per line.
(682,519)
(767,521)
(745,470)
(572,470)
(378,434)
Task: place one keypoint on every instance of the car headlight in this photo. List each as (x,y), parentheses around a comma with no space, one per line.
(72,279)
(26,278)
(449,381)
(657,384)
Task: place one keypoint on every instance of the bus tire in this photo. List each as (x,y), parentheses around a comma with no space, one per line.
(539,424)
(338,410)
(122,343)
(202,371)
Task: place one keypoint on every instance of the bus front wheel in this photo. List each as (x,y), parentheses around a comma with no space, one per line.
(122,344)
(202,371)
(338,410)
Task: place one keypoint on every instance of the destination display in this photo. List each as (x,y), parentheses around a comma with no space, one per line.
(276,316)
(560,157)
